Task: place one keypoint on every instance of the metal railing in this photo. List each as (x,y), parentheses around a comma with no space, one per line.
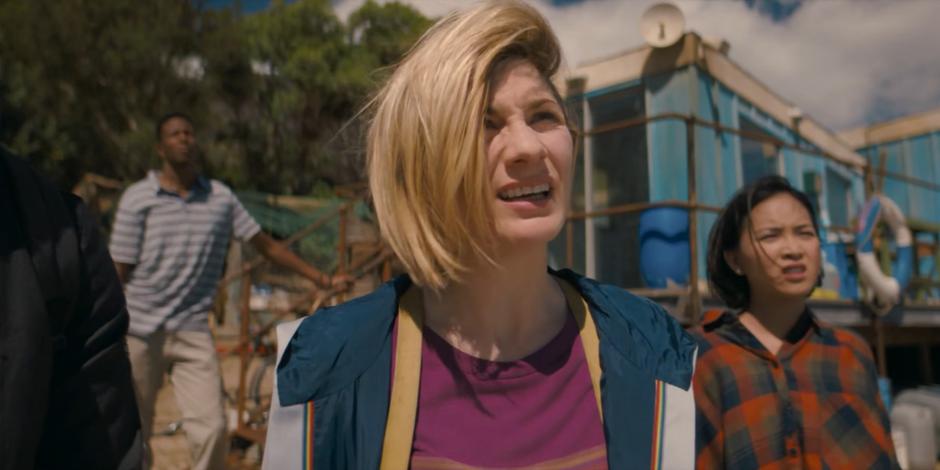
(692,204)
(377,259)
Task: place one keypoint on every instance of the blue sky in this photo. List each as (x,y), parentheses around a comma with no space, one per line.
(776,10)
(247,5)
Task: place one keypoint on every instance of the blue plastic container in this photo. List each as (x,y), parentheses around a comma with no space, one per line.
(848,278)
(664,246)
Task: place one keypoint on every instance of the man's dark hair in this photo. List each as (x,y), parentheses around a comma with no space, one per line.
(166,117)
(726,235)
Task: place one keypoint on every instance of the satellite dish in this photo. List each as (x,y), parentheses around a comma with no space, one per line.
(662,25)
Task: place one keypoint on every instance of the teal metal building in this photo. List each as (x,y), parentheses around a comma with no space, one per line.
(904,155)
(669,134)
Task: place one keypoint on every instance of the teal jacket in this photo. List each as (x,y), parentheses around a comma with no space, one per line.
(339,360)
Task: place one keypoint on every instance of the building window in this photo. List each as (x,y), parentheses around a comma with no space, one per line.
(838,192)
(812,186)
(758,156)
(620,176)
(567,249)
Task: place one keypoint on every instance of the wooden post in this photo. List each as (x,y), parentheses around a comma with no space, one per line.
(877,329)
(871,187)
(926,369)
(590,245)
(936,252)
(920,293)
(880,344)
(341,246)
(879,185)
(243,345)
(569,244)
(884,258)
(386,270)
(695,301)
(884,250)
(575,89)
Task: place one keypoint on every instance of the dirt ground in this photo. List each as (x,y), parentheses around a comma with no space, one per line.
(170,449)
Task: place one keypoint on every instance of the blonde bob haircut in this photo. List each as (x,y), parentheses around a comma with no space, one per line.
(426,160)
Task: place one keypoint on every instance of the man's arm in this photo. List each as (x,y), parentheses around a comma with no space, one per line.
(127,236)
(281,255)
(123,271)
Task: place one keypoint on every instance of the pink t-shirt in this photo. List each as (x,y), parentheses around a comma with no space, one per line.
(537,412)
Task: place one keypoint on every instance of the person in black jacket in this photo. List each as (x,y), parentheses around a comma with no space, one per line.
(66,395)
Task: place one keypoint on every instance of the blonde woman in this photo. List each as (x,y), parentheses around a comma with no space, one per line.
(481,356)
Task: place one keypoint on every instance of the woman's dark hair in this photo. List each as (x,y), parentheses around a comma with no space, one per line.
(726,235)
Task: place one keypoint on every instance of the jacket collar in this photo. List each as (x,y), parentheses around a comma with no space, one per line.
(334,347)
(639,330)
(727,325)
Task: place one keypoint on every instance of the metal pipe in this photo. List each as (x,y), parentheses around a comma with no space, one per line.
(641,206)
(876,325)
(907,179)
(758,137)
(879,344)
(590,265)
(569,244)
(244,355)
(261,260)
(386,270)
(359,269)
(695,301)
(341,245)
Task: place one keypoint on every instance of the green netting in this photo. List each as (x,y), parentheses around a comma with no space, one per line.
(318,248)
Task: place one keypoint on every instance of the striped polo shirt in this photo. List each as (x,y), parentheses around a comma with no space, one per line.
(177,247)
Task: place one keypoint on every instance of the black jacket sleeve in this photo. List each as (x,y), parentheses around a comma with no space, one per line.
(92,420)
(25,343)
(66,395)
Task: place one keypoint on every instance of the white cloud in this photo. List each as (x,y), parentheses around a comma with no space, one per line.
(846,63)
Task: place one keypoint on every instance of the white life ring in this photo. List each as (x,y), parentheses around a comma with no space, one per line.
(884,292)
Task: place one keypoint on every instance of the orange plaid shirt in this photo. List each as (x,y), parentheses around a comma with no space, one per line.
(814,405)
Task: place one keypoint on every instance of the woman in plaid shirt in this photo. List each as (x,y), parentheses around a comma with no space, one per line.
(775,387)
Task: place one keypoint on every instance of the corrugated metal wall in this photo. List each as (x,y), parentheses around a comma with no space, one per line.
(916,157)
(718,155)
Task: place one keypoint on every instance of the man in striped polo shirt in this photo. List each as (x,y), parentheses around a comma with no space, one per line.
(169,243)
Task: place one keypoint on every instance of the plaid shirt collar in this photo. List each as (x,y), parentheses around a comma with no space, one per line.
(807,328)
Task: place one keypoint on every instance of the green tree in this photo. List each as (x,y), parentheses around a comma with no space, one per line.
(320,74)
(83,83)
(386,31)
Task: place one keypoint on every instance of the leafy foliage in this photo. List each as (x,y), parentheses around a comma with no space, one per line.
(82,84)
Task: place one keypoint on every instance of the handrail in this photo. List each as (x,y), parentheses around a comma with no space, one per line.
(751,135)
(260,260)
(695,120)
(362,266)
(359,270)
(639,207)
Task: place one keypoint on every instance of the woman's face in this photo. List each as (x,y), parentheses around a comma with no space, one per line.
(530,155)
(779,256)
